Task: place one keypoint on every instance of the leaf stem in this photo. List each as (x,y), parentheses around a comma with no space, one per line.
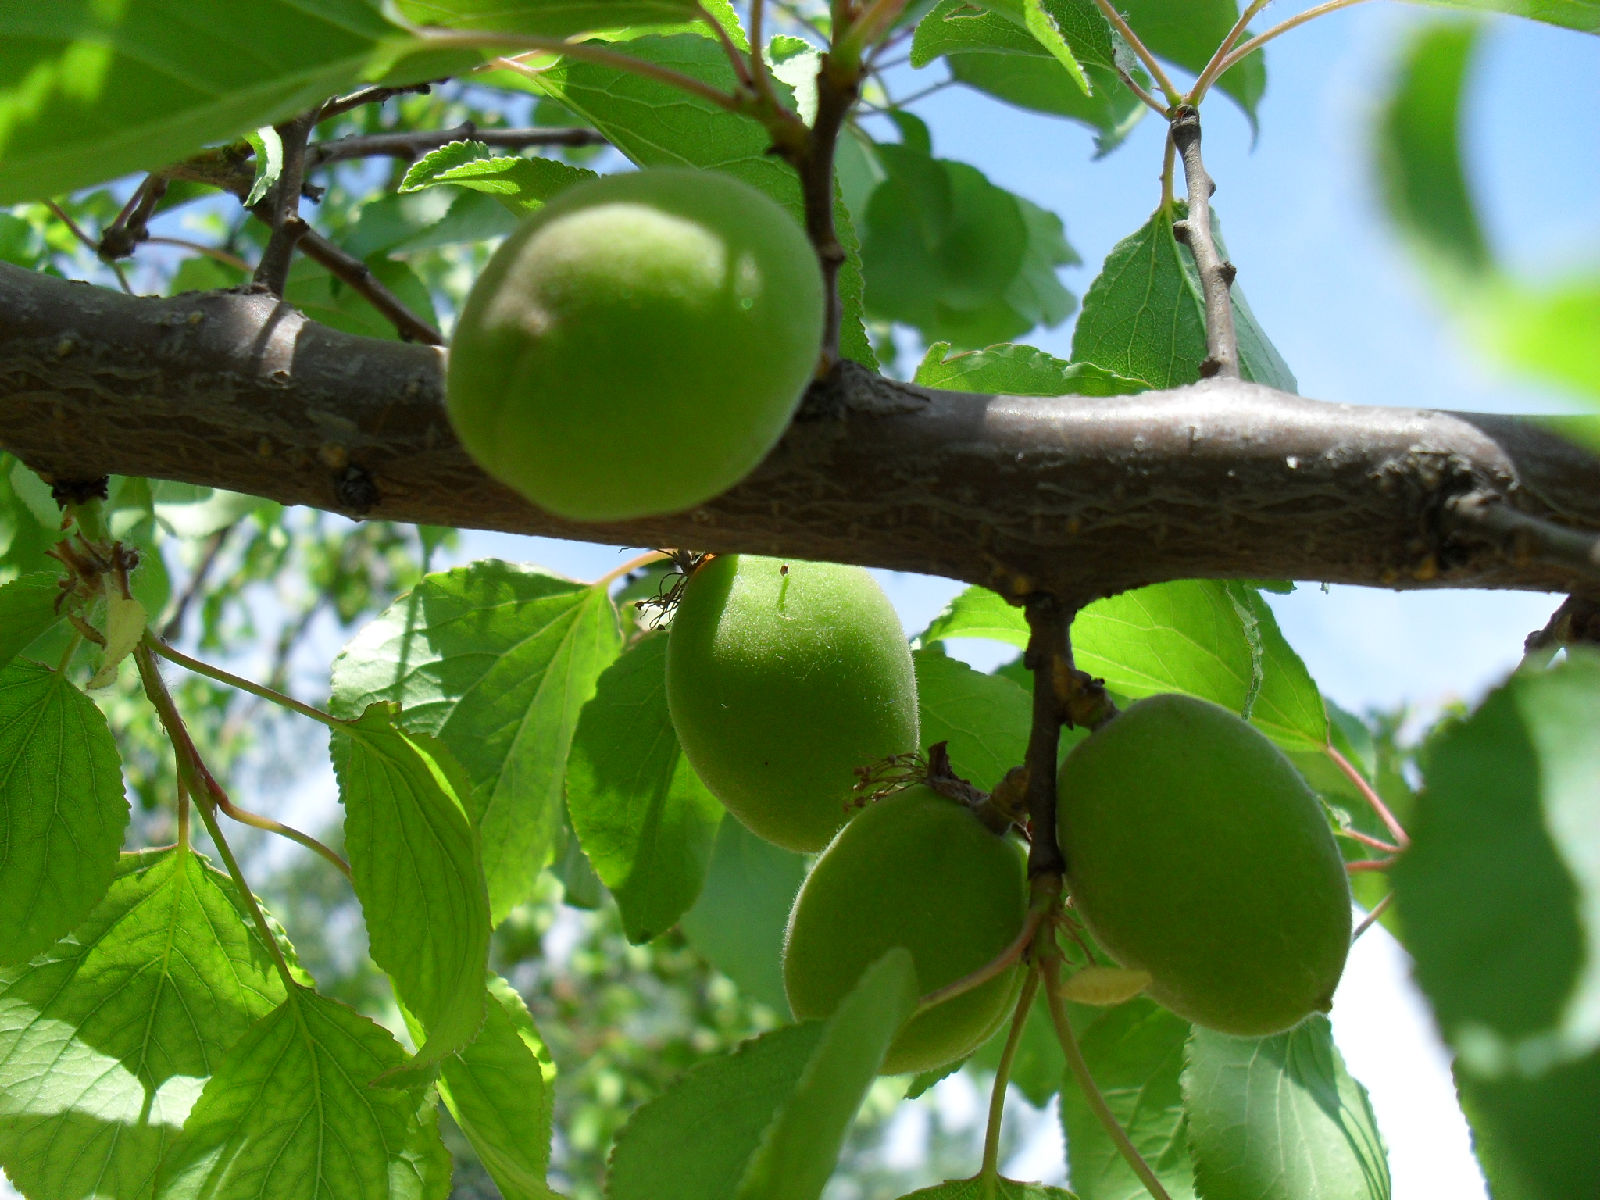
(1216,70)
(240,682)
(257,821)
(1213,67)
(1370,795)
(1002,1076)
(1051,968)
(1371,918)
(1108,10)
(1003,961)
(250,902)
(584,51)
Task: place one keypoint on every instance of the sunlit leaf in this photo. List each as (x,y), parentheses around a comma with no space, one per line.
(497,661)
(62,808)
(984,718)
(1280,1118)
(292,1113)
(27,611)
(414,858)
(1011,370)
(107,1038)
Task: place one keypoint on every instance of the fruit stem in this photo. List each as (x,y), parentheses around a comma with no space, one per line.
(1006,959)
(1050,966)
(1002,1076)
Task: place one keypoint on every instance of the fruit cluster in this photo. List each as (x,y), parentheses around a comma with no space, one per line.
(637,348)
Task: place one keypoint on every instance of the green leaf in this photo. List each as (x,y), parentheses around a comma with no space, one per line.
(546,18)
(943,249)
(1044,26)
(978,613)
(739,920)
(1550,331)
(268,147)
(1280,1118)
(1534,1137)
(90,91)
(497,661)
(984,718)
(1288,706)
(1583,15)
(1010,370)
(1505,829)
(498,1089)
(414,859)
(292,1113)
(998,1188)
(1419,149)
(728,1101)
(1038,85)
(27,612)
(62,808)
(521,184)
(1135,1054)
(1007,26)
(641,813)
(107,1037)
(656,124)
(801,1146)
(1144,315)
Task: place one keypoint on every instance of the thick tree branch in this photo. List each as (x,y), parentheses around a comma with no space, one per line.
(1076,496)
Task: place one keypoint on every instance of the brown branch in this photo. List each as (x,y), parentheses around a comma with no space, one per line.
(1076,496)
(369,95)
(1216,275)
(1049,657)
(413,144)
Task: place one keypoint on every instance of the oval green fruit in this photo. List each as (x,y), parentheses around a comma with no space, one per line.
(921,871)
(782,678)
(638,345)
(1195,851)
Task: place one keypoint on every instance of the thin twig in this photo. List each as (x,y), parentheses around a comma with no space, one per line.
(1529,538)
(1372,843)
(1197,93)
(281,208)
(1371,918)
(735,56)
(370,95)
(1108,10)
(1051,967)
(215,253)
(410,144)
(1368,864)
(1144,96)
(1216,275)
(1213,66)
(88,242)
(811,153)
(359,276)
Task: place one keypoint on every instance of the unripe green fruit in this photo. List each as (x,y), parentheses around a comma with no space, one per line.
(783,677)
(921,871)
(638,346)
(1196,852)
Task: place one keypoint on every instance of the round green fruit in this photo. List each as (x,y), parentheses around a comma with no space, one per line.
(637,346)
(920,871)
(782,678)
(1195,851)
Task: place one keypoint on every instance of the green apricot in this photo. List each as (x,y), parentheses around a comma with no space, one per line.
(638,346)
(921,871)
(1195,851)
(782,678)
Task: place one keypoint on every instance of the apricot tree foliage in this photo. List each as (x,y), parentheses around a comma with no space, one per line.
(493,727)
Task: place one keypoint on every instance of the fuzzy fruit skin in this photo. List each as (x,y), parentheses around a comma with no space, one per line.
(1195,851)
(783,677)
(921,871)
(638,345)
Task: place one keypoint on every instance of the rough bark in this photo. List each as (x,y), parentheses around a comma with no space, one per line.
(1073,495)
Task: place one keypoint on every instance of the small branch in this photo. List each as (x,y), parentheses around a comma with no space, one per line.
(1108,10)
(1213,67)
(1215,70)
(1366,839)
(413,145)
(1374,801)
(1528,538)
(371,95)
(1216,275)
(1371,919)
(211,252)
(1051,967)
(838,88)
(359,276)
(281,209)
(1002,1076)
(633,564)
(1368,864)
